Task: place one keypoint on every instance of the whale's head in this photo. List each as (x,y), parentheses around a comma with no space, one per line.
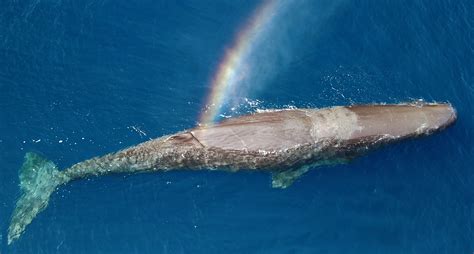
(368,126)
(402,120)
(357,124)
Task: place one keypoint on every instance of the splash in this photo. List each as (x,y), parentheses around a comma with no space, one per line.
(234,66)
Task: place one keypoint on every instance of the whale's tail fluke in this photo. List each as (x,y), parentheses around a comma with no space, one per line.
(38,180)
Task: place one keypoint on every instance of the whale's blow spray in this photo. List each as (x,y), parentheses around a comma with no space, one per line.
(275,35)
(235,66)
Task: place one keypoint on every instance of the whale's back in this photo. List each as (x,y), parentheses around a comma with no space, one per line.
(268,131)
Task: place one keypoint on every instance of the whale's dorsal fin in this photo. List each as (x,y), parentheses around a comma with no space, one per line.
(283,179)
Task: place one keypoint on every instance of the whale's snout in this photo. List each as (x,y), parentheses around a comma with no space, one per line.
(402,120)
(443,115)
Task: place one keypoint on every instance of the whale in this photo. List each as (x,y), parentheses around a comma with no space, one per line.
(286,143)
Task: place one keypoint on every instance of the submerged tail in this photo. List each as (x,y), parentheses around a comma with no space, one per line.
(38,180)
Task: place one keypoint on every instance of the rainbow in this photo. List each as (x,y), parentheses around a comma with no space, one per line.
(234,66)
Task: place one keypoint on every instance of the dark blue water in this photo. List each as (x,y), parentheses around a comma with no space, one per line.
(83,78)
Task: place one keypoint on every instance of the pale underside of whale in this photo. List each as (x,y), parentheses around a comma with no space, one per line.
(287,143)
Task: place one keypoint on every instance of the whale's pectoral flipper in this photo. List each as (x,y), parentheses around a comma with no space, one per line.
(38,180)
(283,179)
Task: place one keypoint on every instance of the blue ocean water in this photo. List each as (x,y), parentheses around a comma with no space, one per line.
(83,78)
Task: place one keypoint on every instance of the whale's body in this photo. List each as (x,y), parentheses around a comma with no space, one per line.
(283,142)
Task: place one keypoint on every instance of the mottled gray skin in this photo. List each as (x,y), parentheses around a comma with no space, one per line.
(283,142)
